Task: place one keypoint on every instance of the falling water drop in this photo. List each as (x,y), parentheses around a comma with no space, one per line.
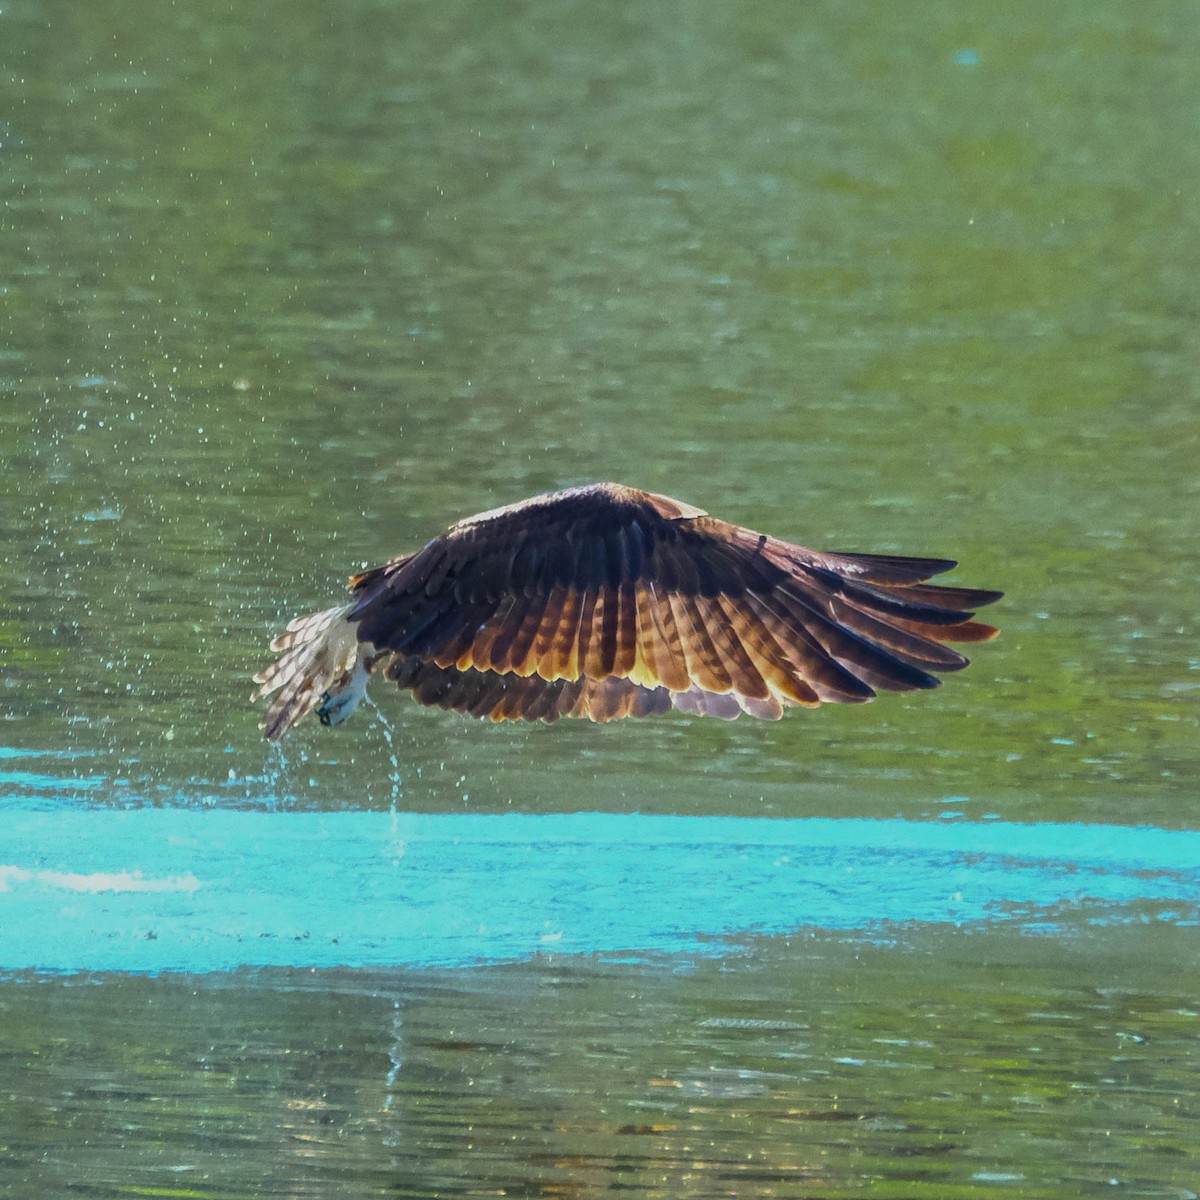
(398,845)
(396,1052)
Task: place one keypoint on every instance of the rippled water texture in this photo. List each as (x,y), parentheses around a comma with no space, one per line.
(287,289)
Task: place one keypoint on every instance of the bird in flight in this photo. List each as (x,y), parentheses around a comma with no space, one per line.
(606,601)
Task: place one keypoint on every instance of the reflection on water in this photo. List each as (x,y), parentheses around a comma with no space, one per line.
(939,1065)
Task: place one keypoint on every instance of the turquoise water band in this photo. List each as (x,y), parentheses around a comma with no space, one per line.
(149,890)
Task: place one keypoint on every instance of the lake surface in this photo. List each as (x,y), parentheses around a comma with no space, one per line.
(287,289)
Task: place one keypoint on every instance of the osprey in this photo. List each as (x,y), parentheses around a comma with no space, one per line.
(606,602)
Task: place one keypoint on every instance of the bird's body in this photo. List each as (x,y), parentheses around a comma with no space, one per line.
(606,602)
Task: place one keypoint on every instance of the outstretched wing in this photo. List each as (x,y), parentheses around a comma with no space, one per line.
(607,601)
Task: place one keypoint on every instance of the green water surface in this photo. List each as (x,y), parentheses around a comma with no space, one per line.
(286,288)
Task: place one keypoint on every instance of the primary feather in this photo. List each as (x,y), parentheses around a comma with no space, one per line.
(606,602)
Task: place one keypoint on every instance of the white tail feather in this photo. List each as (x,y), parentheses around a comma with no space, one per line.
(318,657)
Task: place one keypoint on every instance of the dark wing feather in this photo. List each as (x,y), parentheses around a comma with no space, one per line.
(606,602)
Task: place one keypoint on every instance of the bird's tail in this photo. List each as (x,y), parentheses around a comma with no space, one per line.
(318,655)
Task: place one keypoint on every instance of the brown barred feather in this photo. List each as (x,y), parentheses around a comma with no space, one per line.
(846,645)
(915,646)
(601,654)
(538,658)
(518,628)
(653,663)
(520,650)
(745,678)
(625,658)
(885,569)
(772,658)
(944,596)
(472,618)
(587,633)
(831,681)
(672,664)
(704,663)
(966,631)
(561,661)
(480,654)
